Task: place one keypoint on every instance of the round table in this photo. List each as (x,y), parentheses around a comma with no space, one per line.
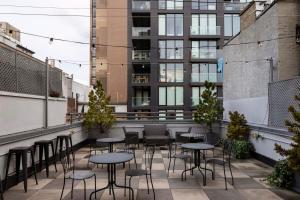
(111,159)
(198,147)
(111,142)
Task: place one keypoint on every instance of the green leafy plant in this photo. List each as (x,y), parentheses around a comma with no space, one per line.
(237,128)
(99,114)
(209,109)
(242,148)
(282,175)
(292,154)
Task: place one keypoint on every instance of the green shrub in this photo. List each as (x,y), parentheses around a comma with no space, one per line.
(237,128)
(242,148)
(282,175)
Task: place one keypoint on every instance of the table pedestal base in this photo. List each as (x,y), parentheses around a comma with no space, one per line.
(111,169)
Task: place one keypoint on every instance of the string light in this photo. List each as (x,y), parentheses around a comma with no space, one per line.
(51,40)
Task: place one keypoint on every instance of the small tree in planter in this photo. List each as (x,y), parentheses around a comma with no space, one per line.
(238,131)
(99,114)
(209,109)
(293,154)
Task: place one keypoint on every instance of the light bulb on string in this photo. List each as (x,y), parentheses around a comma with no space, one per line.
(51,41)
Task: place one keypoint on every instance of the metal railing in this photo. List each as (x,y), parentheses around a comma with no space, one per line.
(141,5)
(140,31)
(141,55)
(74,117)
(140,101)
(202,30)
(203,53)
(231,6)
(202,77)
(140,78)
(155,116)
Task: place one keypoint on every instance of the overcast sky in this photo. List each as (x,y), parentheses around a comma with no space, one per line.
(71,28)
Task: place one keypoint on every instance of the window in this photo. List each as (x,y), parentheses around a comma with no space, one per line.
(171,96)
(231,24)
(245,1)
(171,49)
(196,94)
(204,72)
(171,114)
(170,4)
(170,24)
(204,49)
(171,72)
(204,4)
(204,24)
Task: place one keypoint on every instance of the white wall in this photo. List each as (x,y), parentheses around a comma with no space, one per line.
(82,90)
(21,112)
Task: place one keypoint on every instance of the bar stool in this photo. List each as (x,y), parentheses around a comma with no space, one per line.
(43,146)
(21,153)
(68,144)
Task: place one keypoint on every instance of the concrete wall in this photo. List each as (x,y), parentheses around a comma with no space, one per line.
(82,90)
(21,112)
(78,136)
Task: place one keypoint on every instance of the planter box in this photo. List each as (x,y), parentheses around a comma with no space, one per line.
(296,186)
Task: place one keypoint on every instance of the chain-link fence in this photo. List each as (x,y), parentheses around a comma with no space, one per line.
(281,96)
(20,73)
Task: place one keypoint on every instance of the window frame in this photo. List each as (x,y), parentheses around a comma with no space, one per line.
(174,98)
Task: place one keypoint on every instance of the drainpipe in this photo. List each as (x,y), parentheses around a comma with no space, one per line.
(271,70)
(46,93)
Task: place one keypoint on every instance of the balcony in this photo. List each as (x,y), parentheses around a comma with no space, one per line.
(202,77)
(234,6)
(199,30)
(140,78)
(140,55)
(141,5)
(140,101)
(140,31)
(204,53)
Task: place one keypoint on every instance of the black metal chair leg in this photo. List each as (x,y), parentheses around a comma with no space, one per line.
(174,159)
(152,186)
(125,182)
(95,186)
(62,191)
(84,185)
(147,183)
(232,182)
(24,166)
(225,176)
(53,154)
(169,166)
(7,168)
(33,166)
(18,162)
(72,189)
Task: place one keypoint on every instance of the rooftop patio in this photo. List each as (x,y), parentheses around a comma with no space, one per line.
(248,181)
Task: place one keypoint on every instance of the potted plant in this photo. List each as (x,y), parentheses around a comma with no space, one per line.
(238,131)
(209,110)
(99,114)
(293,154)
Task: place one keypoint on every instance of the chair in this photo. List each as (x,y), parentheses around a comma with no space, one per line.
(131,143)
(21,154)
(71,173)
(226,159)
(184,154)
(150,150)
(43,146)
(156,134)
(180,140)
(59,145)
(98,146)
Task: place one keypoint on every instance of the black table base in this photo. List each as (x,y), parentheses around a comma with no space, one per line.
(111,169)
(197,163)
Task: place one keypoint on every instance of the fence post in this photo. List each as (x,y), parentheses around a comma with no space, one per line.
(46,93)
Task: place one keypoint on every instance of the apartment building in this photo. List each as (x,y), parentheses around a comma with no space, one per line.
(173,47)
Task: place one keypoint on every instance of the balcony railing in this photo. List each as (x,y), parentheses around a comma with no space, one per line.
(140,101)
(231,6)
(141,55)
(199,30)
(203,53)
(202,77)
(141,5)
(140,31)
(140,78)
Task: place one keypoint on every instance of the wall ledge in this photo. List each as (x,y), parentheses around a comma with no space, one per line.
(29,96)
(20,136)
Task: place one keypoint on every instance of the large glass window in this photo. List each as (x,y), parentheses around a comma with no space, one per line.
(170,24)
(204,4)
(170,4)
(171,72)
(204,24)
(231,24)
(171,49)
(204,49)
(171,96)
(196,94)
(204,72)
